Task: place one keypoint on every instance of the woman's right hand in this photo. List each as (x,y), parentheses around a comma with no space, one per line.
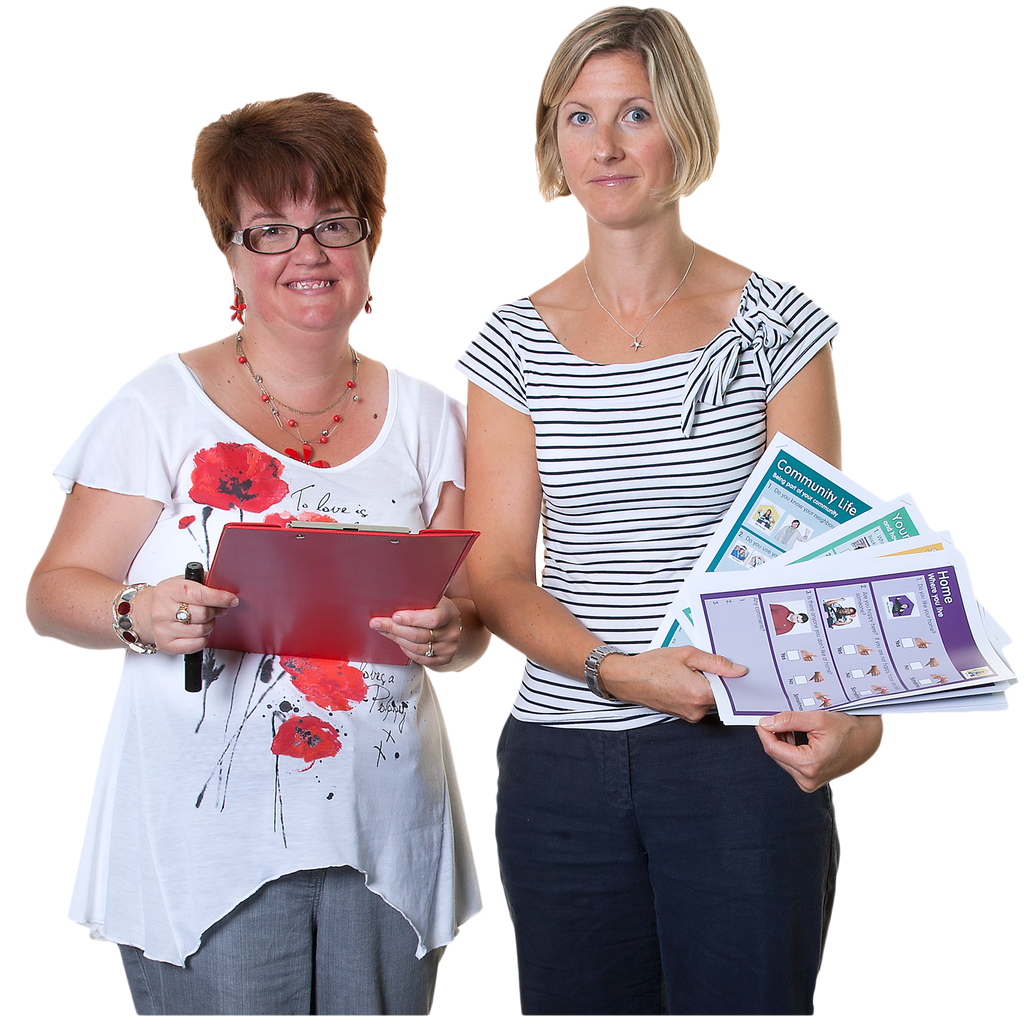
(154,611)
(73,588)
(668,679)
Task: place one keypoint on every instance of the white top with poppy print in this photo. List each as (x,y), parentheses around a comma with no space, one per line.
(280,764)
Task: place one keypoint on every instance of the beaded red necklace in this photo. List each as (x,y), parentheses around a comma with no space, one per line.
(289,424)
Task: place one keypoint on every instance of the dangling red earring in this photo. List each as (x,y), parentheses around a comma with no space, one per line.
(369,299)
(238,308)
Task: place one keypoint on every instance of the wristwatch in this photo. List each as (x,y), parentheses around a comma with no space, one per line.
(592,668)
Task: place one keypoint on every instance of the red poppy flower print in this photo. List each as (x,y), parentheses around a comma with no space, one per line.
(185,522)
(334,685)
(231,475)
(306,737)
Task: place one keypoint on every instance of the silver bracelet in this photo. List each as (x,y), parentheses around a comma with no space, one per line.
(123,625)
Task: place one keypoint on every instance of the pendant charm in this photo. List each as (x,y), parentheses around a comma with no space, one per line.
(306,457)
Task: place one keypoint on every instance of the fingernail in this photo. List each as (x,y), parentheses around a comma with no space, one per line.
(398,619)
(767,723)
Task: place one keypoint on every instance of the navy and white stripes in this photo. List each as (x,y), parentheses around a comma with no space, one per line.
(638,463)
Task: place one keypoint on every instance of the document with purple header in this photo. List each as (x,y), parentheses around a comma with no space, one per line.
(849,633)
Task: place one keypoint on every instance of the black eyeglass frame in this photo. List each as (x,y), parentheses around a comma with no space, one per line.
(243,237)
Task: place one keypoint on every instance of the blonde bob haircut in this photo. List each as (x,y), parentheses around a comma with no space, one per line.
(279,149)
(679,85)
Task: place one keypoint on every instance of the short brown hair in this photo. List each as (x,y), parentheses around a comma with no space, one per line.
(681,92)
(311,143)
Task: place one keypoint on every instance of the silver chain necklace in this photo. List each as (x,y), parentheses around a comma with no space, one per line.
(637,343)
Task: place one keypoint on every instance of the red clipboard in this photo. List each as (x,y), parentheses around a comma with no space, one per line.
(310,592)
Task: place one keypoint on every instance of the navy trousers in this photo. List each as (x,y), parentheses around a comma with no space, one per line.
(671,868)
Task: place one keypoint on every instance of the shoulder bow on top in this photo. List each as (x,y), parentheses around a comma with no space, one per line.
(755,327)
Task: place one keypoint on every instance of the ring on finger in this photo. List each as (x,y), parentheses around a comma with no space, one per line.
(431,632)
(183,615)
(430,650)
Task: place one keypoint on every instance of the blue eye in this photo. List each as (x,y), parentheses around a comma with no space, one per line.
(579,117)
(637,115)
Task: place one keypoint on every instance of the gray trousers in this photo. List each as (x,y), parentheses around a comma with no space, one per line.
(313,942)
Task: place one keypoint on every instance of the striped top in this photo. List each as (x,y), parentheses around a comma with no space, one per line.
(638,464)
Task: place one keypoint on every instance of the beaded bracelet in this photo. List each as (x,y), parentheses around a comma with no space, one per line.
(123,626)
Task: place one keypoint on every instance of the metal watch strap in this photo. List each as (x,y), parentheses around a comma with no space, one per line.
(592,668)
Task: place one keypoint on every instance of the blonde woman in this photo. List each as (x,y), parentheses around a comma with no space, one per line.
(652,858)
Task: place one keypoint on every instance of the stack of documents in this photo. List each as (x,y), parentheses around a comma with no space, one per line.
(854,604)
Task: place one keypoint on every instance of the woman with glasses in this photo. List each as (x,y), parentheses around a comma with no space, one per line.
(651,857)
(289,841)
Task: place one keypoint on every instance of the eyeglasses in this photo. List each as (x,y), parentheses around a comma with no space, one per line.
(335,233)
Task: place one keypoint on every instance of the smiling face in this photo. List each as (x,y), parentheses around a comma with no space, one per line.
(311,288)
(613,150)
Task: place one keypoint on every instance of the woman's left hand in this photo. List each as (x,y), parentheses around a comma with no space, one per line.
(429,636)
(836,744)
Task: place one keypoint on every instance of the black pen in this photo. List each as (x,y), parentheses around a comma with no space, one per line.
(194,662)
